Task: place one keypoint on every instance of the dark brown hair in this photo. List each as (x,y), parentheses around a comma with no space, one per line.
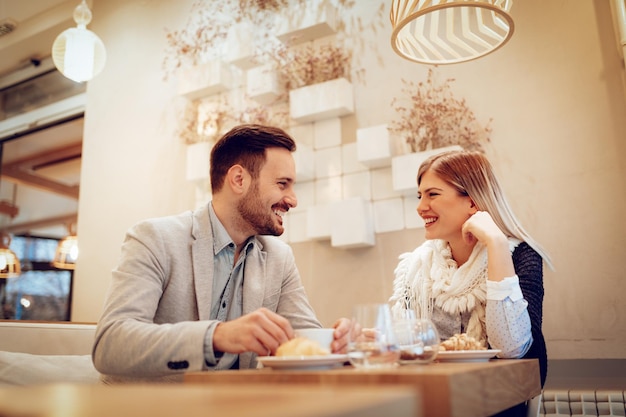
(245,145)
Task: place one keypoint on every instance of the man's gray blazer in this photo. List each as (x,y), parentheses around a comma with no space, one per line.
(156,313)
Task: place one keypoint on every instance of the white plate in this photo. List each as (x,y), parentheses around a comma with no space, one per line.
(303,362)
(467,355)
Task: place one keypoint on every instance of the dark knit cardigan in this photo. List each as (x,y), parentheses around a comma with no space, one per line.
(529,268)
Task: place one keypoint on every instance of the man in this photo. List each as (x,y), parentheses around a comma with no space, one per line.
(209,289)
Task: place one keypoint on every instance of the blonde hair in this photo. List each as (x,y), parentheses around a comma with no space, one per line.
(471,174)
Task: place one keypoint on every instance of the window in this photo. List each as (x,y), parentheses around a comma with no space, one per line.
(41,292)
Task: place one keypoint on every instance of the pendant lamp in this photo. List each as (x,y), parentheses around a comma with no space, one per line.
(67,253)
(449,31)
(78,53)
(9,262)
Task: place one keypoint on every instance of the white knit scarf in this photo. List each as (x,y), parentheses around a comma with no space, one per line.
(429,277)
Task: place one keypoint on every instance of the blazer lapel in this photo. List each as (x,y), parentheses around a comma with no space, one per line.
(254,279)
(202,261)
(253,292)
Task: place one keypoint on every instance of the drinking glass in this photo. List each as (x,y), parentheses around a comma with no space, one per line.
(372,340)
(418,340)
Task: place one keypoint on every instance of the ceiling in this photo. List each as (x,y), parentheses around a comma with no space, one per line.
(37,24)
(40,170)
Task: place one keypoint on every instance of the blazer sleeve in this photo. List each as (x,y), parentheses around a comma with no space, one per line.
(285,293)
(149,326)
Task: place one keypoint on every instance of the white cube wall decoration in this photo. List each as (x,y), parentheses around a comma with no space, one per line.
(382,184)
(204,80)
(388,215)
(327,133)
(297,226)
(302,134)
(352,224)
(305,193)
(314,19)
(319,222)
(241,47)
(320,101)
(374,147)
(327,190)
(328,162)
(404,168)
(202,194)
(198,157)
(349,160)
(208,124)
(304,158)
(263,84)
(357,185)
(412,220)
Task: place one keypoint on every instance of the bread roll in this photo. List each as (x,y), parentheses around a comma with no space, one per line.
(301,347)
(461,342)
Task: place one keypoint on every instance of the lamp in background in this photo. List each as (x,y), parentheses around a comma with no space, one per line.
(78,53)
(449,31)
(9,263)
(67,252)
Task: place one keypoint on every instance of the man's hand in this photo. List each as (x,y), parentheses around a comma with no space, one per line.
(342,328)
(261,332)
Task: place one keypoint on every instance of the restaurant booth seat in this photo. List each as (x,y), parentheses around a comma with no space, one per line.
(46,352)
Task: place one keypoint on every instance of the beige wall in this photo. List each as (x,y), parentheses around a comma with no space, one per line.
(556,97)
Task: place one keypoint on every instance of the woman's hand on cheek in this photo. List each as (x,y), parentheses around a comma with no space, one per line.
(481,227)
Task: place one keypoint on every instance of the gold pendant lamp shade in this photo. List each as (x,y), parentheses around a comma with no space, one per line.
(67,253)
(449,31)
(9,263)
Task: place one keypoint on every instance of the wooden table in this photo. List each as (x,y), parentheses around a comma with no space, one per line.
(447,389)
(160,400)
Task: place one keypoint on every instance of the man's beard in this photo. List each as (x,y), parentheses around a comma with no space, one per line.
(252,212)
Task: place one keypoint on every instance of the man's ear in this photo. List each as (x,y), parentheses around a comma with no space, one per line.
(238,179)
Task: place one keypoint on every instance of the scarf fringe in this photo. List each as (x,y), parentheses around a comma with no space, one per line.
(429,277)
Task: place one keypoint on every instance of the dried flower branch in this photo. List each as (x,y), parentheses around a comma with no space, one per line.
(271,115)
(204,120)
(208,26)
(207,30)
(188,128)
(209,23)
(214,117)
(308,65)
(253,6)
(203,32)
(431,117)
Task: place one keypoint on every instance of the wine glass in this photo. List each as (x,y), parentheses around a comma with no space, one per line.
(418,340)
(372,339)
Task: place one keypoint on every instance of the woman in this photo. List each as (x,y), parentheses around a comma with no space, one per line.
(478,272)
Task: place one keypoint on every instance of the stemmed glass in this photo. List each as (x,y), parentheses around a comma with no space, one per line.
(372,340)
(418,339)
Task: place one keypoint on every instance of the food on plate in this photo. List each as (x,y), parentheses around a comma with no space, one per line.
(300,346)
(461,342)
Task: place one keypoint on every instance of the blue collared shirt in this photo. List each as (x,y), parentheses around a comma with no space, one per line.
(227,292)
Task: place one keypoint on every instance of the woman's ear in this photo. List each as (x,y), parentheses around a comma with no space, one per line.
(473,207)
